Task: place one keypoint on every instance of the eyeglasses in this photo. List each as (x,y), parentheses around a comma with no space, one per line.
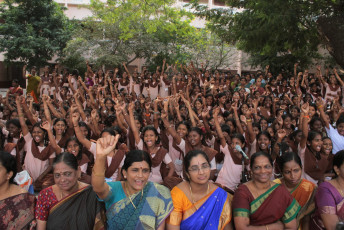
(64,174)
(204,167)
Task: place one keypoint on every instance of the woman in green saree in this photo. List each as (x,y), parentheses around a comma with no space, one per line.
(134,203)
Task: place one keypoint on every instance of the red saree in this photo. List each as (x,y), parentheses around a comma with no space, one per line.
(273,205)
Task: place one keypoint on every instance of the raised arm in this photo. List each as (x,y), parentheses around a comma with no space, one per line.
(47,126)
(304,118)
(23,125)
(236,118)
(252,135)
(320,106)
(82,139)
(218,127)
(132,123)
(104,146)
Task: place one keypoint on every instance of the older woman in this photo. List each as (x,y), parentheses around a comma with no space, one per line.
(329,198)
(63,205)
(261,203)
(198,203)
(16,205)
(133,203)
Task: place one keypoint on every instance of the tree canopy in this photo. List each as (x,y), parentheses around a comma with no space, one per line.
(32,31)
(280,32)
(122,31)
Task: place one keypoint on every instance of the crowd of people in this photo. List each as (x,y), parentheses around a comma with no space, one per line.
(178,148)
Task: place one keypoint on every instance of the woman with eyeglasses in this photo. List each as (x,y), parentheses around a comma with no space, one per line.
(198,203)
(261,203)
(69,204)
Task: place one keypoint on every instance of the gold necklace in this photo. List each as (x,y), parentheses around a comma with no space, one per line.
(191,195)
(129,196)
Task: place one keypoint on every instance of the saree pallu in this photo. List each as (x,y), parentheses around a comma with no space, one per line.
(328,200)
(17,212)
(273,205)
(153,206)
(80,210)
(304,194)
(210,214)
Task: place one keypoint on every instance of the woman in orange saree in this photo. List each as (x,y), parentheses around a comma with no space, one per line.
(301,189)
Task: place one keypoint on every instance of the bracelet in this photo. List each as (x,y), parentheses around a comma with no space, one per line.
(305,116)
(320,106)
(147,114)
(20,115)
(98,174)
(156,113)
(248,120)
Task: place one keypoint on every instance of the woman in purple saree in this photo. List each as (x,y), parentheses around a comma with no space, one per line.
(329,200)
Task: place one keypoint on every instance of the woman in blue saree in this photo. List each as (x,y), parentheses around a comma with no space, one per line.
(134,203)
(199,204)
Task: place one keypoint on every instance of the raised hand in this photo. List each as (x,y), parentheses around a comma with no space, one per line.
(131,106)
(75,118)
(46,125)
(106,145)
(305,108)
(216,111)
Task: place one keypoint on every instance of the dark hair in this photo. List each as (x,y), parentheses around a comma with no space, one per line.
(187,124)
(287,157)
(109,120)
(108,130)
(314,119)
(258,154)
(338,159)
(57,120)
(83,124)
(150,127)
(188,157)
(45,133)
(67,158)
(340,120)
(312,134)
(225,128)
(264,133)
(238,136)
(136,156)
(79,155)
(14,122)
(9,163)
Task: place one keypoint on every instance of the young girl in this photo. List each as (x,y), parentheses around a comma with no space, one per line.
(39,153)
(150,144)
(309,150)
(230,173)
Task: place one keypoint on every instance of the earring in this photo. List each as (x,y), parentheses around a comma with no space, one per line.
(125,177)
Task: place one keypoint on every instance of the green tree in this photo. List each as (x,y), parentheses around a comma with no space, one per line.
(122,31)
(280,32)
(32,31)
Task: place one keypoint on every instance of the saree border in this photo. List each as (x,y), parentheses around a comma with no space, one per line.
(260,199)
(291,212)
(66,199)
(241,212)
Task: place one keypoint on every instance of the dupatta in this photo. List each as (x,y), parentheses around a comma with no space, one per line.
(80,210)
(153,206)
(206,214)
(17,211)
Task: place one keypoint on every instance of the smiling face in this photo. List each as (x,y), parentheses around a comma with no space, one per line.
(38,134)
(327,146)
(65,177)
(261,169)
(182,130)
(137,176)
(13,130)
(194,138)
(263,142)
(199,170)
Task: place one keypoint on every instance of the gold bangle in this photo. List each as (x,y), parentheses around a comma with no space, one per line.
(98,174)
(248,120)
